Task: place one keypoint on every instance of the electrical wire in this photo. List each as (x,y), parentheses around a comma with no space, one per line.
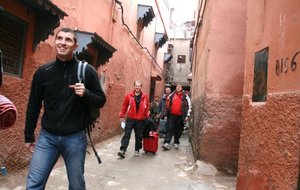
(130,32)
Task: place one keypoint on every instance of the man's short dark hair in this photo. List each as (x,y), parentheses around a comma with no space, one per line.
(70,30)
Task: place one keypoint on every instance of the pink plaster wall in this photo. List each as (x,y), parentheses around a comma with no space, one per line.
(217,84)
(129,63)
(269,147)
(17,90)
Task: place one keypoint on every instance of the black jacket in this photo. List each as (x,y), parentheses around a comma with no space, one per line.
(64,111)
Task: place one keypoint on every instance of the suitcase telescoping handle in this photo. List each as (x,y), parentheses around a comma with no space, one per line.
(152,134)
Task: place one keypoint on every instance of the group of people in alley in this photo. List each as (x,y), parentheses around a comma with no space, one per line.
(67,102)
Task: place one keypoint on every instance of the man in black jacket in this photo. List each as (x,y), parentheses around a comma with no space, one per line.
(66,103)
(179,109)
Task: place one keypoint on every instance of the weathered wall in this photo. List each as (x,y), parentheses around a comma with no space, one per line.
(17,90)
(217,84)
(216,137)
(269,142)
(129,63)
(179,71)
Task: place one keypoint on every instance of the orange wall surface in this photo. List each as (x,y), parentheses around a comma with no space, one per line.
(269,142)
(129,63)
(217,84)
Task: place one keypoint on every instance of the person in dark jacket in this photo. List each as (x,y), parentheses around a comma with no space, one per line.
(66,103)
(178,111)
(154,113)
(136,104)
(163,122)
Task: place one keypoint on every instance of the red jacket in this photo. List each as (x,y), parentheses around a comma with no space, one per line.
(176,108)
(129,106)
(176,102)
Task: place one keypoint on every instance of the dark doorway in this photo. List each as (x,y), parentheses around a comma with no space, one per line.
(152,89)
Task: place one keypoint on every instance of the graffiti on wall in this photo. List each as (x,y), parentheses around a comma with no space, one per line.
(283,65)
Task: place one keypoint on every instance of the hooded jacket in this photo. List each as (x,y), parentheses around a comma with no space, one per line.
(64,111)
(129,105)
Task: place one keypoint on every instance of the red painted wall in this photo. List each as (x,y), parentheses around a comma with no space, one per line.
(129,63)
(17,90)
(269,142)
(217,84)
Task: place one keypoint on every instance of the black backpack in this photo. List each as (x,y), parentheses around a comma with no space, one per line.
(94,113)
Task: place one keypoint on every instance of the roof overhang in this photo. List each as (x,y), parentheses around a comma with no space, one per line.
(105,50)
(48,17)
(167,57)
(160,39)
(155,76)
(145,14)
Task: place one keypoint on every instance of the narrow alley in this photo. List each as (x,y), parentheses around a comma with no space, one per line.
(167,170)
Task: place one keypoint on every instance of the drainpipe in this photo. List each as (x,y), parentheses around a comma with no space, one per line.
(130,32)
(199,19)
(199,22)
(161,16)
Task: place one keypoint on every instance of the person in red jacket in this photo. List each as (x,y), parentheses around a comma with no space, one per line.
(136,104)
(178,112)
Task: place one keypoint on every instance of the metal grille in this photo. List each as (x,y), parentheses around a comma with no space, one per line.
(181,58)
(12,35)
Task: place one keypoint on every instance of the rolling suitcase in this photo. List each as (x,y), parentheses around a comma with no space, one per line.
(150,144)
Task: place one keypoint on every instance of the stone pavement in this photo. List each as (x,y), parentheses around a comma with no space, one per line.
(166,170)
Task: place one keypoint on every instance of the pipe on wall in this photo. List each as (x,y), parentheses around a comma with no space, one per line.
(130,32)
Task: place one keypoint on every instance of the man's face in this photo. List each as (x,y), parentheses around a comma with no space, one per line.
(167,91)
(137,87)
(156,99)
(65,45)
(178,88)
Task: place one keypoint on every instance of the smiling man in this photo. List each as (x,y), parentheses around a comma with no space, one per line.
(66,104)
(136,105)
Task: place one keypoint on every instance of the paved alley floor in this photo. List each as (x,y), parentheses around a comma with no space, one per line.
(166,170)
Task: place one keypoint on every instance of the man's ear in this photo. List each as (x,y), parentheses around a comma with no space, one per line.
(76,46)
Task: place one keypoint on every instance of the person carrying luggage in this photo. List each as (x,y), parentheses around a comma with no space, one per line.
(136,104)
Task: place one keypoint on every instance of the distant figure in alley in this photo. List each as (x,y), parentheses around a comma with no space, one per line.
(66,103)
(136,104)
(178,112)
(163,122)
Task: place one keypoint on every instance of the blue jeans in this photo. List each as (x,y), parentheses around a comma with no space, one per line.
(48,149)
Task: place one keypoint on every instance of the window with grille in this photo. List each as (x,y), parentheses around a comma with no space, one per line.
(12,36)
(181,58)
(170,48)
(260,75)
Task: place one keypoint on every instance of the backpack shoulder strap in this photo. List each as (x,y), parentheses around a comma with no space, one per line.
(93,147)
(81,71)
